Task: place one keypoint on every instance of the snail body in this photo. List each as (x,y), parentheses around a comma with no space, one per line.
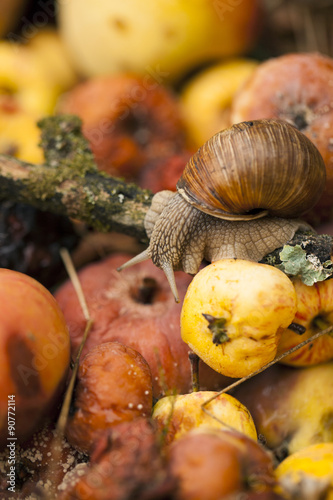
(239,197)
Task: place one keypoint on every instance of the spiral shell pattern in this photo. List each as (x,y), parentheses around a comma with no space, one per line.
(253,169)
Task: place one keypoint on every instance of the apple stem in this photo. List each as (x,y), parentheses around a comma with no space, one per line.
(268,365)
(194,360)
(217,327)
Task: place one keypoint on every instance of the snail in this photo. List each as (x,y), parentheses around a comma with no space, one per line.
(239,197)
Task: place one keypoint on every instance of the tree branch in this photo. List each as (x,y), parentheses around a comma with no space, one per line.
(70,183)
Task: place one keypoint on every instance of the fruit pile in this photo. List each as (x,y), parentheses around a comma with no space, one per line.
(197,366)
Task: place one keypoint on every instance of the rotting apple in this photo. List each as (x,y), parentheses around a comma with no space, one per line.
(114,385)
(34,354)
(129,121)
(298,88)
(234,312)
(136,308)
(159,38)
(314,313)
(177,415)
(206,98)
(126,463)
(214,463)
(307,473)
(292,408)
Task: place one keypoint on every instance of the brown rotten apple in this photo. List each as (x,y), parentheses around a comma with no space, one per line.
(211,464)
(136,308)
(114,385)
(297,88)
(129,121)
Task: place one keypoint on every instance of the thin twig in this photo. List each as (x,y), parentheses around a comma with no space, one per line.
(56,446)
(263,368)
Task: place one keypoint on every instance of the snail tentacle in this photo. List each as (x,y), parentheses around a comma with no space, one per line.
(141,257)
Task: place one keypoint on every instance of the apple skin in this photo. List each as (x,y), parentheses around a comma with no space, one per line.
(177,415)
(212,464)
(136,308)
(310,469)
(291,408)
(130,122)
(159,37)
(256,302)
(297,88)
(315,313)
(34,352)
(113,385)
(206,98)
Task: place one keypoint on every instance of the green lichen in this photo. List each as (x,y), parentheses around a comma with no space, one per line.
(296,262)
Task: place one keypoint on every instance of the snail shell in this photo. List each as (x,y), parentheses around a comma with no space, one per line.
(253,169)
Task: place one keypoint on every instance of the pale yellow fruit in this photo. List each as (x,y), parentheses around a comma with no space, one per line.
(23,78)
(163,38)
(177,415)
(291,408)
(248,304)
(20,136)
(310,469)
(206,99)
(52,53)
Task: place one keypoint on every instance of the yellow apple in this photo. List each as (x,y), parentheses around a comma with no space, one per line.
(177,415)
(23,81)
(292,408)
(315,313)
(234,312)
(206,99)
(20,136)
(162,39)
(307,473)
(50,50)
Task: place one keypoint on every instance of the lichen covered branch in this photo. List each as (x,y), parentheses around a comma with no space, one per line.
(70,183)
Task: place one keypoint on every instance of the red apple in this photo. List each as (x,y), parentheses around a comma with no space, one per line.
(129,121)
(210,464)
(34,354)
(314,313)
(297,88)
(135,307)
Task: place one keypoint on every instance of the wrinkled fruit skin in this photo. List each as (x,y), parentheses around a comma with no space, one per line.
(249,303)
(34,352)
(291,408)
(296,88)
(310,469)
(177,415)
(135,307)
(114,385)
(211,464)
(315,313)
(126,463)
